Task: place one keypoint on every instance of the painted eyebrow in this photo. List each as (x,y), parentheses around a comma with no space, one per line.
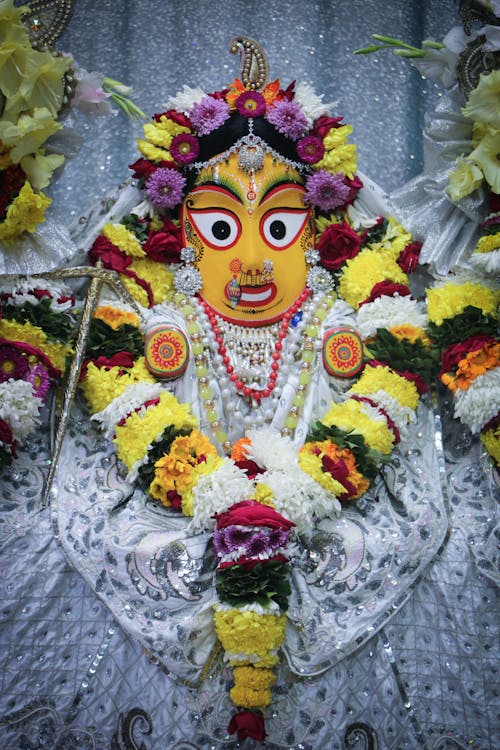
(277,183)
(231,189)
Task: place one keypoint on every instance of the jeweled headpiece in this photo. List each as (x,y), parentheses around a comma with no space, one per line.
(251,117)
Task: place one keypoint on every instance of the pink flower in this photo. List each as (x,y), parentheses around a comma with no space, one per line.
(251,104)
(288,118)
(209,114)
(326,191)
(165,188)
(310,149)
(184,148)
(89,95)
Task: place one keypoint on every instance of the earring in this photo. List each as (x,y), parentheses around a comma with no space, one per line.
(187,278)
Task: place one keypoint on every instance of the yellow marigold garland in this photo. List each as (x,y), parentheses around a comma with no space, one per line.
(447,301)
(101,385)
(35,336)
(310,461)
(361,273)
(157,275)
(350,415)
(141,429)
(252,687)
(115,318)
(384,378)
(245,632)
(124,239)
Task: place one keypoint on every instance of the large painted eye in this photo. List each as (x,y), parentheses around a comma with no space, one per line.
(281,227)
(219,229)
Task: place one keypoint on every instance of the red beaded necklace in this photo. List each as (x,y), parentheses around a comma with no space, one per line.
(240,386)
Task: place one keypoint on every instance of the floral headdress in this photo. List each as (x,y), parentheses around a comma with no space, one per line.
(311,140)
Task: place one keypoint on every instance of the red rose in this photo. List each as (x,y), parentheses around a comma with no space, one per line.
(165,245)
(324,124)
(251,468)
(453,354)
(143,168)
(408,258)
(355,186)
(110,256)
(338,243)
(249,563)
(6,435)
(386,289)
(339,471)
(252,513)
(248,724)
(177,117)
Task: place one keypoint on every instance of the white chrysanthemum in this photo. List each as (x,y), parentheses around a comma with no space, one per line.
(21,289)
(386,312)
(299,498)
(400,415)
(479,403)
(311,104)
(239,552)
(216,492)
(185,100)
(486,262)
(19,407)
(271,608)
(131,399)
(270,450)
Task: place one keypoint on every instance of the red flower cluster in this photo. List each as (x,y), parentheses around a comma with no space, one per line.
(338,243)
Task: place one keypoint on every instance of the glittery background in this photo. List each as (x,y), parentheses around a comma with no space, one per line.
(158,45)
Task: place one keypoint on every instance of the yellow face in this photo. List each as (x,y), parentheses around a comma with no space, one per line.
(250,232)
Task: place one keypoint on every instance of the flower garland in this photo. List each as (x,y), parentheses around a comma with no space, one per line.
(36,328)
(368,262)
(463,320)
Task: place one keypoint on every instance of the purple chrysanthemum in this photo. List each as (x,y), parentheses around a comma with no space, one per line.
(278,538)
(13,364)
(310,149)
(220,545)
(258,544)
(236,537)
(40,380)
(251,104)
(288,118)
(326,191)
(184,148)
(165,187)
(209,114)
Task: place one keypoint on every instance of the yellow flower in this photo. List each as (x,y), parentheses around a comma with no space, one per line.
(487,156)
(339,156)
(463,179)
(123,239)
(40,167)
(25,136)
(264,494)
(410,333)
(179,469)
(102,385)
(115,318)
(159,135)
(450,300)
(487,243)
(483,104)
(157,275)
(142,429)
(491,441)
(252,687)
(351,416)
(43,85)
(249,633)
(35,336)
(383,378)
(362,272)
(394,241)
(24,214)
(310,460)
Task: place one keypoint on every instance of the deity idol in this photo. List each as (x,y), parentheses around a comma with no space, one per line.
(283,361)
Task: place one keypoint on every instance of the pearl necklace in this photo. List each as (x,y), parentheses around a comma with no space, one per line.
(210,351)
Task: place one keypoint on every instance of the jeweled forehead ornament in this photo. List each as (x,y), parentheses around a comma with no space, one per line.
(251,154)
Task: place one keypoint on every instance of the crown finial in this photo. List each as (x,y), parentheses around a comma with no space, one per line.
(254,67)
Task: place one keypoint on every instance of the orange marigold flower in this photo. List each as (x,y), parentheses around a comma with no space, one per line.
(115,317)
(239,449)
(474,364)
